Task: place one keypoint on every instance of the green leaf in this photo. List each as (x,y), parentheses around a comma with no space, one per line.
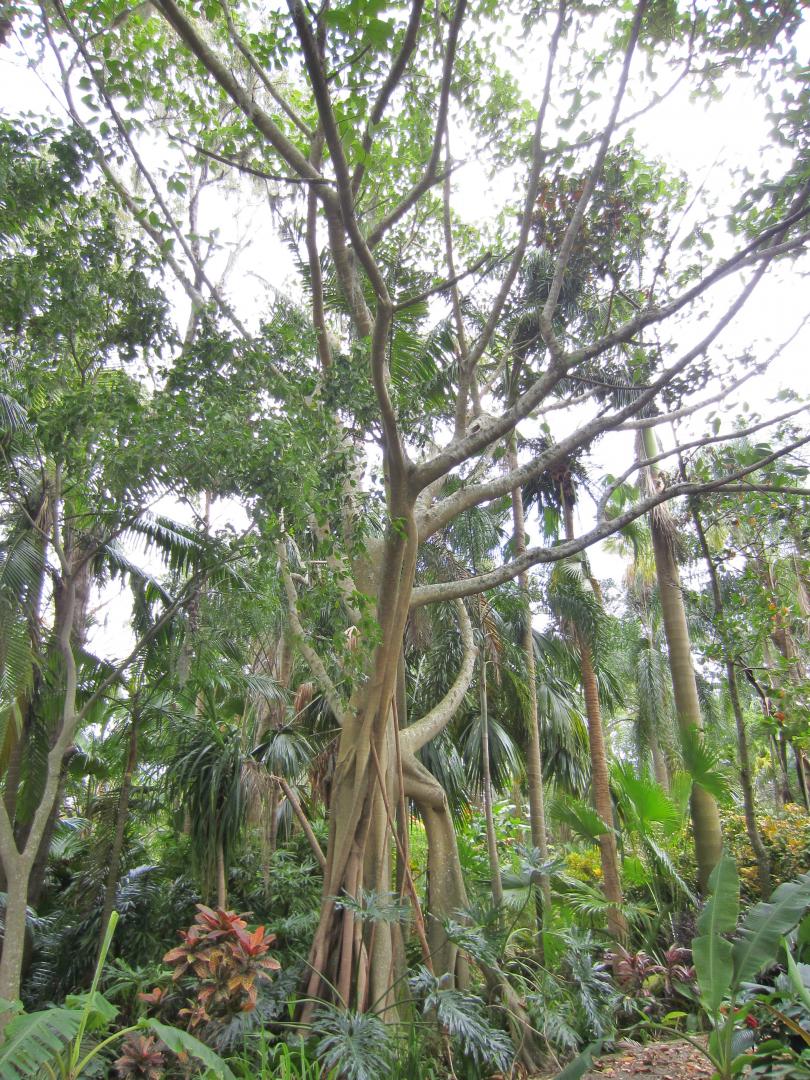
(581,1063)
(711,952)
(34,1040)
(714,967)
(720,914)
(795,975)
(180,1042)
(100,1012)
(764,926)
(579,817)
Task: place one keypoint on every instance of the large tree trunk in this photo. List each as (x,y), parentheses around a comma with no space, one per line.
(760,854)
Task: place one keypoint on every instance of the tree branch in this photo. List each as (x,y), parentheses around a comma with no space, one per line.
(417,735)
(310,655)
(471,586)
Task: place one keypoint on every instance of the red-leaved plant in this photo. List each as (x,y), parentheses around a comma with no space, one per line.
(142,1058)
(223,961)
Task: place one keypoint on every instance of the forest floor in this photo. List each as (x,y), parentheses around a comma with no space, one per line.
(675,1060)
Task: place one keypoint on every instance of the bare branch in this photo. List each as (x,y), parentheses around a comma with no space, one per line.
(249,170)
(575,224)
(261,74)
(706,440)
(448,283)
(185,30)
(494,428)
(471,586)
(157,194)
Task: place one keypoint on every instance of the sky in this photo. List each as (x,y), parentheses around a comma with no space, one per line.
(704,140)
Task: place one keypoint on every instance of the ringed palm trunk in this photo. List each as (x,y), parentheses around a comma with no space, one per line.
(600,780)
(703,808)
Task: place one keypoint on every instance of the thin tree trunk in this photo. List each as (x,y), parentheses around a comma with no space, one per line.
(760,853)
(222,881)
(801,775)
(121,818)
(659,762)
(705,817)
(534,758)
(600,780)
(486,782)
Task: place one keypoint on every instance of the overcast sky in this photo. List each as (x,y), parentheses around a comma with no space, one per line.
(705,140)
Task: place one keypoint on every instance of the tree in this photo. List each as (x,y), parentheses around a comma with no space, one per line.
(705,817)
(372,424)
(76,477)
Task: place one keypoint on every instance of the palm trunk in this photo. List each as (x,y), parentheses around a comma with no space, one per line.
(760,854)
(222,880)
(705,817)
(660,770)
(486,781)
(534,759)
(600,780)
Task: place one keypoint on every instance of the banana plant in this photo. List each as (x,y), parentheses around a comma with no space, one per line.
(723,964)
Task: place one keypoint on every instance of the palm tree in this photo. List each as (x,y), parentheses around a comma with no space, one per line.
(705,817)
(573,598)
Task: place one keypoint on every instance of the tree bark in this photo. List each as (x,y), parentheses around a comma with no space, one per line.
(749,809)
(600,780)
(486,783)
(534,757)
(222,880)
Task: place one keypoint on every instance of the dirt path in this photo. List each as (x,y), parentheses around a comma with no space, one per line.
(677,1060)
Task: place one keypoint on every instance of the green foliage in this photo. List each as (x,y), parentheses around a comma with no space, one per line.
(462,1017)
(33,1040)
(356,1045)
(786,836)
(723,966)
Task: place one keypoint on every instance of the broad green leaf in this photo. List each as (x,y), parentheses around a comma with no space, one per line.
(100,1012)
(180,1042)
(722,909)
(714,967)
(765,924)
(798,983)
(34,1040)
